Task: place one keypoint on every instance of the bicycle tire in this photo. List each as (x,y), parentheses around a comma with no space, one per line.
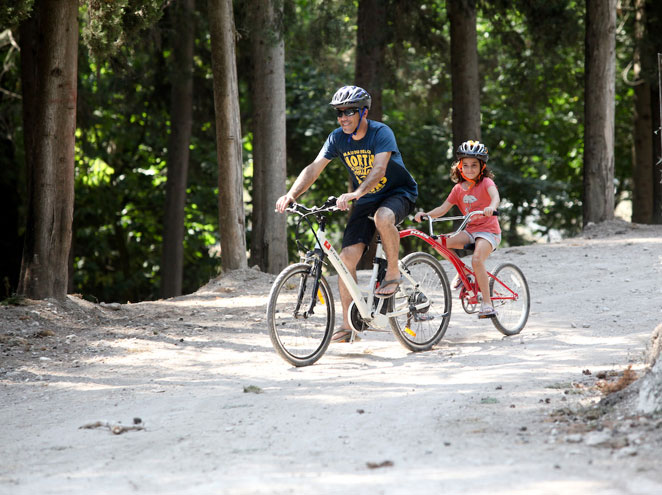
(300,340)
(512,314)
(420,331)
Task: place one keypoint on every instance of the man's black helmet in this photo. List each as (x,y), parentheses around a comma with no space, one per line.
(472,149)
(348,96)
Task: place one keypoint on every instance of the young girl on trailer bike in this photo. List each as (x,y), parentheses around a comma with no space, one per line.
(475,191)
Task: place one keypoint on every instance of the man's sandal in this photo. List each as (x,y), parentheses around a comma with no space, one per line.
(343,336)
(386,283)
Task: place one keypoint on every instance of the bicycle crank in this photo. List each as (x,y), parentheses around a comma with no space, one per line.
(356,321)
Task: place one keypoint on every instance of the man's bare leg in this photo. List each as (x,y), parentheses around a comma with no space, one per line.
(350,256)
(385,222)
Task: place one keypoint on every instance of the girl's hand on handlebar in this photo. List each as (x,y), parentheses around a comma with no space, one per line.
(488,211)
(420,216)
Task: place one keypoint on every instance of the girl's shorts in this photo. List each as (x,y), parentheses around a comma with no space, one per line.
(493,239)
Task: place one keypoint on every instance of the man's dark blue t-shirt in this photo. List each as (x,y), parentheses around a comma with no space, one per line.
(358,157)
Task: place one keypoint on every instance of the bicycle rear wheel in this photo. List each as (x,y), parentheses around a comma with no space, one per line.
(510,295)
(420,329)
(299,336)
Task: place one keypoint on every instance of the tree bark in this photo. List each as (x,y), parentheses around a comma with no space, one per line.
(371,52)
(228,135)
(269,236)
(369,74)
(49,46)
(599,108)
(172,260)
(642,153)
(657,143)
(464,71)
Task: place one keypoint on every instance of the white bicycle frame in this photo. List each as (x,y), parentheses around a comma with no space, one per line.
(365,306)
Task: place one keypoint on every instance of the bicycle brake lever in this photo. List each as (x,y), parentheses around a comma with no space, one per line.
(330,202)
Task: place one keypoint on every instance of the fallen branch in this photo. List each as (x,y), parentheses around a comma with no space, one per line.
(116,429)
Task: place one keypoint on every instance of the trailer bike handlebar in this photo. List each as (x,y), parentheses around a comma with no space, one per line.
(465,220)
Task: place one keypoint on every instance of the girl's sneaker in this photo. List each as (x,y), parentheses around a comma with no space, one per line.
(487,312)
(456,283)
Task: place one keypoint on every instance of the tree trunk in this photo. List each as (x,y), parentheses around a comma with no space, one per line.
(599,110)
(181,105)
(49,46)
(657,125)
(269,236)
(370,51)
(643,162)
(464,71)
(369,74)
(228,135)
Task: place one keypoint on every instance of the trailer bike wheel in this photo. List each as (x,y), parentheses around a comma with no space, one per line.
(429,303)
(510,296)
(300,337)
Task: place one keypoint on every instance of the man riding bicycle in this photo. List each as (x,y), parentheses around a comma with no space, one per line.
(383,188)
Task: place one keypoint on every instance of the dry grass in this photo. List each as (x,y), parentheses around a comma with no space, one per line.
(608,387)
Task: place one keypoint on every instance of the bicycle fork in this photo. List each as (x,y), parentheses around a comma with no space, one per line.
(316,273)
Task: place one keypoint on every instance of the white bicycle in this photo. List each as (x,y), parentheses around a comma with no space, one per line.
(301,312)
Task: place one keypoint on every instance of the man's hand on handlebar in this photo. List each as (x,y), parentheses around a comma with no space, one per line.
(283,202)
(343,201)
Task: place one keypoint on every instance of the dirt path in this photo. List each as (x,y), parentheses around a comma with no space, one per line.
(222,413)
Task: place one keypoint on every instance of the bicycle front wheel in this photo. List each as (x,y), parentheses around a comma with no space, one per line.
(428,302)
(510,296)
(300,318)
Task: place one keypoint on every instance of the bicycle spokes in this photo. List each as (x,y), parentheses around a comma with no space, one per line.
(422,306)
(510,294)
(300,337)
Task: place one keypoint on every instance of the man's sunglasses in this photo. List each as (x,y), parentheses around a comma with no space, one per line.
(347,111)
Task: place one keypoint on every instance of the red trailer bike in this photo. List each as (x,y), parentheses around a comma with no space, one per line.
(508,287)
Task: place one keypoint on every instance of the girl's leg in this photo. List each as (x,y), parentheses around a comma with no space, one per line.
(458,241)
(481,252)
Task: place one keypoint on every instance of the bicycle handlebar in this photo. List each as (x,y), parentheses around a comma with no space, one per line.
(466,219)
(299,209)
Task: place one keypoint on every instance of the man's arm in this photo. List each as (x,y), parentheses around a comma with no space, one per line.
(306,179)
(378,171)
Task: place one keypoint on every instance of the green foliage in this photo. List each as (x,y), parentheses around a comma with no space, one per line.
(111,25)
(121,172)
(534,135)
(13,12)
(318,61)
(531,64)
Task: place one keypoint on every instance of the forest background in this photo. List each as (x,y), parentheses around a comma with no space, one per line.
(160,87)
